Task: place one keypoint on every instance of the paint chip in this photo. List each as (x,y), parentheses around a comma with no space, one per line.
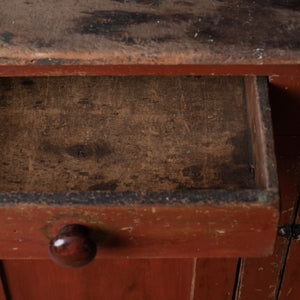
(126,228)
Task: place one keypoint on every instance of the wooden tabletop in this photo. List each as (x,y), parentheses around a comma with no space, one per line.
(167,32)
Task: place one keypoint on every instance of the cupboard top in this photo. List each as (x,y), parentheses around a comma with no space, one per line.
(169,32)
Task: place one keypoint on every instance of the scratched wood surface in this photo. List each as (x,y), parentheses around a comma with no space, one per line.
(143,231)
(124,134)
(112,32)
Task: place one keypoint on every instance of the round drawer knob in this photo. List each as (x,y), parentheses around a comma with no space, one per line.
(72,247)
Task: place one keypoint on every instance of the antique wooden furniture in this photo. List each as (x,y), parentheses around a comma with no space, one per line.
(163,166)
(50,127)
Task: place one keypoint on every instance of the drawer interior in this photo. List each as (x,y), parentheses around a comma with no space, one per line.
(169,166)
(125,133)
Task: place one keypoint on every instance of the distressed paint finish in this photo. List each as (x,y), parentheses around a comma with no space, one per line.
(260,278)
(149,32)
(143,231)
(158,70)
(69,150)
(261,56)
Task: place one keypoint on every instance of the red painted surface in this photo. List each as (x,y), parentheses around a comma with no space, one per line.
(215,278)
(111,279)
(150,70)
(260,277)
(158,231)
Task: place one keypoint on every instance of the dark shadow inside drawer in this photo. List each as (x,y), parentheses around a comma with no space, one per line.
(125,134)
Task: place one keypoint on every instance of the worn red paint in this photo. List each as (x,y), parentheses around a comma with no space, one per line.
(142,231)
(64,70)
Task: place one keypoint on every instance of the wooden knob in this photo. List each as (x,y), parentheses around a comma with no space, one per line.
(72,247)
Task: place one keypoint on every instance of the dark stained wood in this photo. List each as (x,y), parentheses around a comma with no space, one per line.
(125,134)
(186,70)
(215,278)
(285,94)
(108,279)
(149,32)
(260,277)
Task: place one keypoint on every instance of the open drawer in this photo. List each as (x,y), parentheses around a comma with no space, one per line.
(154,166)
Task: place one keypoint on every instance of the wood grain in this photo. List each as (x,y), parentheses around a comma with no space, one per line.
(215,278)
(149,32)
(108,279)
(124,134)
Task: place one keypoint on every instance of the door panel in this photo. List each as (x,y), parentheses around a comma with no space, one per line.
(115,279)
(215,278)
(290,288)
(111,279)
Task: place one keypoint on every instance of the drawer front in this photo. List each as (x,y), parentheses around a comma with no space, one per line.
(155,231)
